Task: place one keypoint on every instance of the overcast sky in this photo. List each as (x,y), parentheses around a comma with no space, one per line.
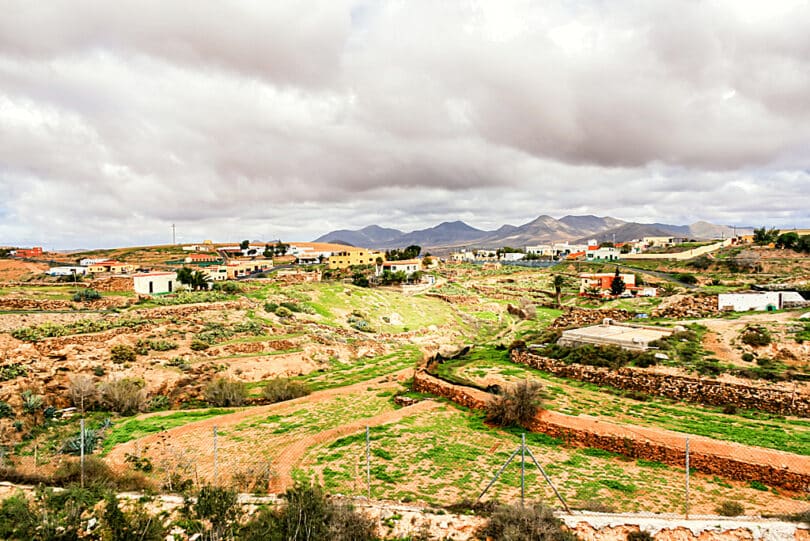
(270,119)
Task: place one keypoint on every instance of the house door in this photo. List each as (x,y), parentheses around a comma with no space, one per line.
(170,286)
(151,287)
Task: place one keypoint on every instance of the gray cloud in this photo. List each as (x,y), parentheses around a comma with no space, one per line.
(293,118)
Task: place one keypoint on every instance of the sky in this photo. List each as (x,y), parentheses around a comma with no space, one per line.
(265,120)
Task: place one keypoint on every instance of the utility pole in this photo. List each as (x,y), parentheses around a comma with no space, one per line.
(173,235)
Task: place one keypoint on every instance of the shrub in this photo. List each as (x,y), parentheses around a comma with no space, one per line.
(218,507)
(86,295)
(73,445)
(530,523)
(747,357)
(639,535)
(31,403)
(12,371)
(17,518)
(730,409)
(226,392)
(283,311)
(5,410)
(121,353)
(687,278)
(280,389)
(517,405)
(730,508)
(270,307)
(198,345)
(137,523)
(82,391)
(125,396)
(305,516)
(345,524)
(162,345)
(755,336)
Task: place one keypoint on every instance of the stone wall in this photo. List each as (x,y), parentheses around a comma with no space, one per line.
(771,398)
(722,462)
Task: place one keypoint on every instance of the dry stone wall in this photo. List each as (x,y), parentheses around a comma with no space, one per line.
(772,399)
(729,466)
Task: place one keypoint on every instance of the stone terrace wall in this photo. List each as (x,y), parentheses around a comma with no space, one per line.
(635,447)
(771,399)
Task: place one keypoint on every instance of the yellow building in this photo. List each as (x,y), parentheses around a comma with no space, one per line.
(349,257)
(113,267)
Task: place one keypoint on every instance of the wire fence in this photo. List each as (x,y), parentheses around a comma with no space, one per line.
(369,461)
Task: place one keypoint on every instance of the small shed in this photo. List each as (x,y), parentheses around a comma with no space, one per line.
(155,283)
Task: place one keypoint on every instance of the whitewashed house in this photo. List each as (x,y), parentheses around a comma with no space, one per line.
(155,283)
(761,301)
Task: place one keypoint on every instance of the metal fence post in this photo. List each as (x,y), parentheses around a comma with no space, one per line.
(368,462)
(686,502)
(81,452)
(522,468)
(215,457)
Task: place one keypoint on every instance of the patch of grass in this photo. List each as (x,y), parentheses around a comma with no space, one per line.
(131,429)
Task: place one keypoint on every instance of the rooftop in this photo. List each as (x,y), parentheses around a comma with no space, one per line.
(624,335)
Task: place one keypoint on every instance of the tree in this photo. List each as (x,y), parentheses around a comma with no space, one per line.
(788,241)
(617,286)
(268,251)
(559,281)
(517,405)
(185,276)
(244,245)
(765,236)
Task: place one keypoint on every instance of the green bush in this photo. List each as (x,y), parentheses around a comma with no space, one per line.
(12,371)
(226,392)
(120,354)
(18,520)
(215,514)
(136,523)
(270,307)
(73,445)
(281,389)
(162,345)
(199,345)
(730,508)
(747,357)
(5,410)
(687,278)
(517,405)
(283,311)
(86,295)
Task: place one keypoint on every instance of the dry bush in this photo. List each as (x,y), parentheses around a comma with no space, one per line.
(516,405)
(280,389)
(346,524)
(82,391)
(225,392)
(125,396)
(530,523)
(730,508)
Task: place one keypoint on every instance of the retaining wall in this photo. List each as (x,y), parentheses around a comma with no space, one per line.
(772,399)
(706,455)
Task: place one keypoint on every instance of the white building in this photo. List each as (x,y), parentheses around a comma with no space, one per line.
(604,253)
(543,250)
(66,271)
(92,261)
(408,266)
(766,300)
(512,256)
(153,283)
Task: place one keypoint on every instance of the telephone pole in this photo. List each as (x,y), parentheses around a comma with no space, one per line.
(173,235)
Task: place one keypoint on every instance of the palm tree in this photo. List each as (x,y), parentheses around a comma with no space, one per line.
(559,281)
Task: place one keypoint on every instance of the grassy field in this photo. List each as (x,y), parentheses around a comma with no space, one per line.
(449,455)
(574,398)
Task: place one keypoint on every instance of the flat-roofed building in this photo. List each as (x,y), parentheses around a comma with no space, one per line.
(610,333)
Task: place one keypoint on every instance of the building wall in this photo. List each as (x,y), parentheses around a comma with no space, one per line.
(66,271)
(743,302)
(160,283)
(349,258)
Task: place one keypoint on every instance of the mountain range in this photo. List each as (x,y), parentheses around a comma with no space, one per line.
(543,229)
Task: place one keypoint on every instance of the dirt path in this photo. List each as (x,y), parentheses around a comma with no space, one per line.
(202,429)
(291,456)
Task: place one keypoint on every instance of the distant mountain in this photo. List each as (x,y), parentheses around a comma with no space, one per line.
(369,237)
(591,224)
(446,233)
(706,230)
(543,229)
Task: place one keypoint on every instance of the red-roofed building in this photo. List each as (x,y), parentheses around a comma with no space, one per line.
(202,258)
(36,251)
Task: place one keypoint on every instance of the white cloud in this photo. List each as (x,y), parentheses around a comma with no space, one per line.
(292,118)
